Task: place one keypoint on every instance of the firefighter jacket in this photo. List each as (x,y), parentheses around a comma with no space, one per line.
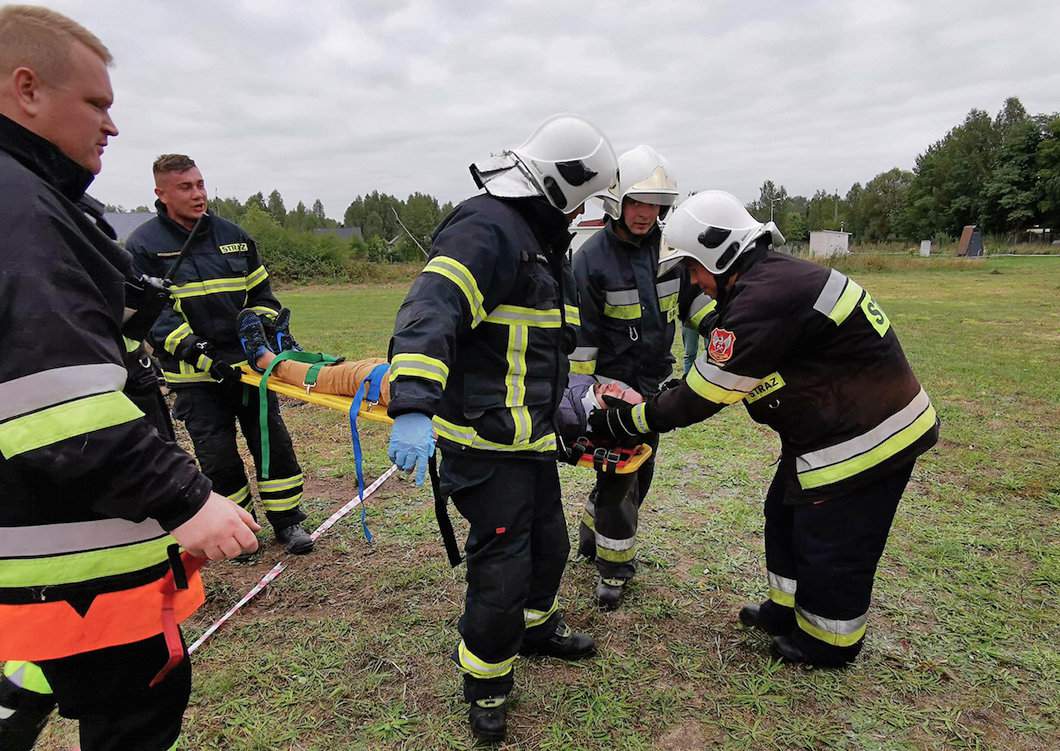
(481,341)
(89,487)
(628,311)
(221,275)
(814,357)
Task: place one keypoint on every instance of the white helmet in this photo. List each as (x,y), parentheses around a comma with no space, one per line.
(645,176)
(714,228)
(566,159)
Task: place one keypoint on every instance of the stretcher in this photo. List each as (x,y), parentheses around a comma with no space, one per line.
(368,411)
(621,461)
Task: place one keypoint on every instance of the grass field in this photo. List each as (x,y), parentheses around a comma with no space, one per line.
(348,649)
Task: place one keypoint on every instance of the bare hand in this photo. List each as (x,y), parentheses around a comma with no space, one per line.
(221,529)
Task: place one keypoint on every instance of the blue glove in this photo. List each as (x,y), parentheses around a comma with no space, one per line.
(412,443)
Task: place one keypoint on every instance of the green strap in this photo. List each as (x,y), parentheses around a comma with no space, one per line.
(317,359)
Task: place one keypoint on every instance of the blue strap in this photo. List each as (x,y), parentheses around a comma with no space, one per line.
(372,384)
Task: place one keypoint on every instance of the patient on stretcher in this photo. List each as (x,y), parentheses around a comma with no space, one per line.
(264,339)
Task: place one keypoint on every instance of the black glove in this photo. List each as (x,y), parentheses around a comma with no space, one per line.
(615,423)
(222,371)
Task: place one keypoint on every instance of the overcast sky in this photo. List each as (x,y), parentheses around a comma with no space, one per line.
(334,99)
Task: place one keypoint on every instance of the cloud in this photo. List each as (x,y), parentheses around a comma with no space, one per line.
(331,99)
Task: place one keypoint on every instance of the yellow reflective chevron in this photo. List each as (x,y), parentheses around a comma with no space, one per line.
(462,277)
(48,426)
(176,336)
(415,365)
(52,570)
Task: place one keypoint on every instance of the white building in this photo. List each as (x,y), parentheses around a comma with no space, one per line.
(826,243)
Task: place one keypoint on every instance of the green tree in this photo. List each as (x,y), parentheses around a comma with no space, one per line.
(1048,170)
(878,207)
(1013,193)
(276,208)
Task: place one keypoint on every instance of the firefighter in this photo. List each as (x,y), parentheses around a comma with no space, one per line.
(813,356)
(480,345)
(96,503)
(218,274)
(628,314)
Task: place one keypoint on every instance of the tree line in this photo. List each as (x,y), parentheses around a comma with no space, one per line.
(1001,173)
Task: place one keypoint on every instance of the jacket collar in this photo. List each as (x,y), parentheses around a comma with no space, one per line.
(44,159)
(648,241)
(548,223)
(164,217)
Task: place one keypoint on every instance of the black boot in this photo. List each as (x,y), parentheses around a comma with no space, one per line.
(609,593)
(489,719)
(561,642)
(800,648)
(775,620)
(294,539)
(279,333)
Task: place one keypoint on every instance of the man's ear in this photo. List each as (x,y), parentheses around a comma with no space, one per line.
(26,89)
(158,193)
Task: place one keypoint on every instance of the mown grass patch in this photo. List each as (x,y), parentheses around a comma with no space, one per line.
(348,650)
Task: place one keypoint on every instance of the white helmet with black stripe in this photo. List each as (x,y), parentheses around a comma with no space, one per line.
(566,159)
(714,228)
(644,175)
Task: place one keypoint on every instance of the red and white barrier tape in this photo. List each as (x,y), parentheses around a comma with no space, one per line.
(279,567)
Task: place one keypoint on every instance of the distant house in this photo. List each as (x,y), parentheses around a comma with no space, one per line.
(826,243)
(343,233)
(125,223)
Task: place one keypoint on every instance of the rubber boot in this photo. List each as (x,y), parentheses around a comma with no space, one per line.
(295,540)
(609,593)
(489,719)
(561,642)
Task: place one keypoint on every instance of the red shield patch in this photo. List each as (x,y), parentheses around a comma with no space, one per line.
(721,343)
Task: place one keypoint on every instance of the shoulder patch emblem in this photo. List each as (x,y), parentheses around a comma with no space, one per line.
(234,248)
(721,345)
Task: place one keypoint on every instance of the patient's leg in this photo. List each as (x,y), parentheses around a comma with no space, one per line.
(342,379)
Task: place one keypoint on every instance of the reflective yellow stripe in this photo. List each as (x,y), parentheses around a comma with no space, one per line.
(176,336)
(769,384)
(462,277)
(587,367)
(781,598)
(616,556)
(419,366)
(697,317)
(515,382)
(192,376)
(588,521)
(265,311)
(27,676)
(240,495)
(709,391)
(131,345)
(465,435)
(281,483)
(902,439)
(517,315)
(256,277)
(847,301)
(282,504)
(640,418)
(46,571)
(574,315)
(210,287)
(623,312)
(469,662)
(838,633)
(39,429)
(534,618)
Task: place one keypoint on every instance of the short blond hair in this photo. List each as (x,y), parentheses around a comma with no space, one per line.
(40,39)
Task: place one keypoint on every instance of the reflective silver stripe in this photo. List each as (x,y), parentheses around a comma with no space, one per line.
(723,378)
(56,539)
(829,296)
(783,583)
(622,297)
(866,441)
(39,390)
(612,544)
(834,625)
(590,508)
(584,354)
(669,287)
(702,300)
